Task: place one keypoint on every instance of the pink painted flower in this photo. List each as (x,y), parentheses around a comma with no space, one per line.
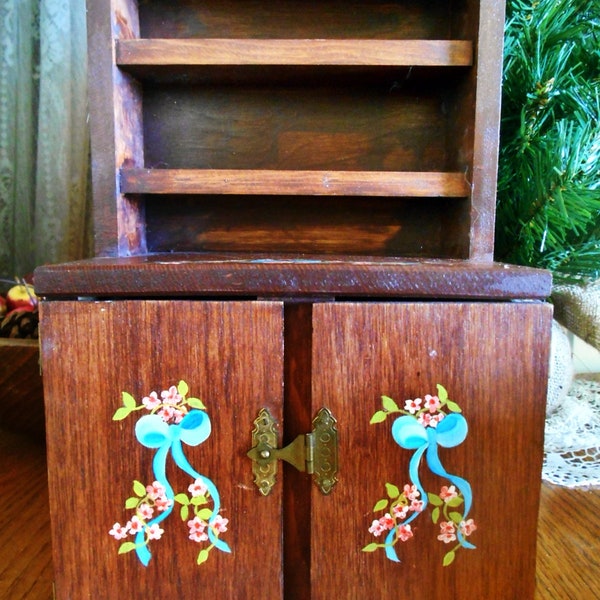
(152,401)
(400,512)
(154,532)
(197,530)
(178,414)
(467,527)
(135,525)
(437,418)
(198,488)
(163,503)
(155,490)
(220,524)
(171,396)
(447,532)
(167,414)
(412,406)
(404,533)
(432,403)
(411,492)
(145,511)
(429,420)
(118,531)
(417,505)
(448,493)
(376,528)
(198,536)
(196,524)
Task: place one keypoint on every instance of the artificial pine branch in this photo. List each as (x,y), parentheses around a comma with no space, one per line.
(548,211)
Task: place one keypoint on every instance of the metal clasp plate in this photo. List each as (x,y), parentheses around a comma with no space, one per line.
(315,453)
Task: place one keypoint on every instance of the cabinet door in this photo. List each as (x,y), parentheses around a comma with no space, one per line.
(492,360)
(230,356)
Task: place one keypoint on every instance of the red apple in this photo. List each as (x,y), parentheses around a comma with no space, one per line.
(21,296)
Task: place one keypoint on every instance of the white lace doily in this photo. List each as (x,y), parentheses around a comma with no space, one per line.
(572,444)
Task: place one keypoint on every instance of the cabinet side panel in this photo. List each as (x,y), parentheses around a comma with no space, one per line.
(229,354)
(492,360)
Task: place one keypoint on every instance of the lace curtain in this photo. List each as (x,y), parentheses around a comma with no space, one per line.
(44,141)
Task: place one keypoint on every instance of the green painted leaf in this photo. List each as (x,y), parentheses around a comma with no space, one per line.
(449,558)
(455,517)
(184,512)
(453,406)
(202,557)
(380,505)
(205,514)
(139,489)
(389,404)
(379,417)
(370,547)
(442,393)
(434,499)
(128,400)
(126,547)
(454,502)
(182,499)
(392,490)
(182,388)
(196,403)
(435,514)
(199,500)
(132,502)
(121,413)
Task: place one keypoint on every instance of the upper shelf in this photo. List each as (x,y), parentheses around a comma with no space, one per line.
(291,52)
(287,182)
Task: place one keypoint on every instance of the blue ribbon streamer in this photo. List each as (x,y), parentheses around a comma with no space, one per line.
(152,432)
(409,434)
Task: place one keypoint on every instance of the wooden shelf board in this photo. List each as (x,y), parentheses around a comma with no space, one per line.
(304,183)
(290,52)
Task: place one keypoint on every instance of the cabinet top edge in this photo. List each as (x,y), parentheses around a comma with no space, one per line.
(288,276)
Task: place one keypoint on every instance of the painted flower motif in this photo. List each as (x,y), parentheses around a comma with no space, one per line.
(220,524)
(417,505)
(197,529)
(377,528)
(467,527)
(155,490)
(154,532)
(412,406)
(171,396)
(163,503)
(145,511)
(400,512)
(432,403)
(404,533)
(447,532)
(152,401)
(118,531)
(198,488)
(135,524)
(448,493)
(411,492)
(171,407)
(198,536)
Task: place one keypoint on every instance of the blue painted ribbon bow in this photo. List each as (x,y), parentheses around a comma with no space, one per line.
(152,432)
(408,433)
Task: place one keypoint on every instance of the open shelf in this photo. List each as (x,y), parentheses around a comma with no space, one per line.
(307,183)
(357,52)
(364,127)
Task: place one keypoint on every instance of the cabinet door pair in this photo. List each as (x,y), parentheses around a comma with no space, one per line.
(151,406)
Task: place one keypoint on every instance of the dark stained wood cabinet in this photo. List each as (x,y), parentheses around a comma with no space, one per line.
(294,209)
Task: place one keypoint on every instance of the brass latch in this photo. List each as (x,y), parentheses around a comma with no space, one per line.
(314,453)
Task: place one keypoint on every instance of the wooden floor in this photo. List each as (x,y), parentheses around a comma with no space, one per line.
(568,539)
